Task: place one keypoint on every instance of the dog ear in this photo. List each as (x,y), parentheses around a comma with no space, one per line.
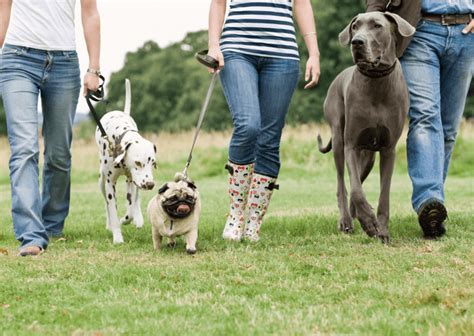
(191,185)
(345,36)
(404,28)
(120,157)
(163,188)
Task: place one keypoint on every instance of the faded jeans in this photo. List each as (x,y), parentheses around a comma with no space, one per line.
(258,91)
(438,66)
(25,74)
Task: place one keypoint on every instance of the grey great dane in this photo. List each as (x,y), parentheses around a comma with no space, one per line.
(366,106)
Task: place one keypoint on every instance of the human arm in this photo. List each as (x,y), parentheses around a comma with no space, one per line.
(5,11)
(376,5)
(305,19)
(91,25)
(216,21)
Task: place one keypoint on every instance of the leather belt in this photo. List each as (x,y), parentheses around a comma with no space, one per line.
(448,19)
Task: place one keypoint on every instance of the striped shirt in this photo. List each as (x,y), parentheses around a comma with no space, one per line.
(261,28)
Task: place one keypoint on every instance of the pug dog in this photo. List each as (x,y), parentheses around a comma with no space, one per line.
(175,212)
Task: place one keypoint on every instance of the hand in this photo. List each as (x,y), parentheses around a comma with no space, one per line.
(469,28)
(216,53)
(312,72)
(91,82)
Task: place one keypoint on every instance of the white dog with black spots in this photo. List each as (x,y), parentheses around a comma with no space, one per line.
(125,153)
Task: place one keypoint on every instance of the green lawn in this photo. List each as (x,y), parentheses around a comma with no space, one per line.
(303,277)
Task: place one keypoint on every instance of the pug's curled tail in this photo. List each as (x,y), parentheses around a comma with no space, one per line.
(322,149)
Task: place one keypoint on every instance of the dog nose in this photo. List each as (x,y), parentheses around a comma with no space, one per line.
(357,42)
(149,185)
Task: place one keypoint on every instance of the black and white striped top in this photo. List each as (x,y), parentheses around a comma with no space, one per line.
(261,28)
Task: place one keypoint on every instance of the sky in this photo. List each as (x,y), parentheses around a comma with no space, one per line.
(127,24)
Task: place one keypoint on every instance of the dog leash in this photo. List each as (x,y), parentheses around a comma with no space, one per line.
(98,96)
(210,62)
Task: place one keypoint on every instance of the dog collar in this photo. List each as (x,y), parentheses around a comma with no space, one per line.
(374,73)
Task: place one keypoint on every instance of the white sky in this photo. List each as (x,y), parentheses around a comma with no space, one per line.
(127,24)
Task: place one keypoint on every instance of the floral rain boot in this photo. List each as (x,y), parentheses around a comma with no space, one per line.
(259,197)
(239,185)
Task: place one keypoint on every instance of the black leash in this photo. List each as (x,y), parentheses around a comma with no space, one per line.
(210,62)
(97,96)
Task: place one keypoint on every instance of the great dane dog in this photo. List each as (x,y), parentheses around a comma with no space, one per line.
(366,106)
(125,153)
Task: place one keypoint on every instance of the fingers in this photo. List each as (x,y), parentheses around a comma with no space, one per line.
(469,28)
(307,73)
(312,72)
(84,91)
(91,82)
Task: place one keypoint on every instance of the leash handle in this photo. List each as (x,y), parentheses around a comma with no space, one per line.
(207,60)
(97,96)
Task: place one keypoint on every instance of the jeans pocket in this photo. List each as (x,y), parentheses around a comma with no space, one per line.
(18,51)
(71,56)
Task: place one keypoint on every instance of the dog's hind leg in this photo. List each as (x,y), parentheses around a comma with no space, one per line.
(345,220)
(112,216)
(102,179)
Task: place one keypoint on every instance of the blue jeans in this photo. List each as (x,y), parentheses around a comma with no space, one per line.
(258,91)
(25,74)
(438,66)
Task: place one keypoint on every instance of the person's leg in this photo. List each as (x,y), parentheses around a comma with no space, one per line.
(425,144)
(59,95)
(19,90)
(277,83)
(239,80)
(457,70)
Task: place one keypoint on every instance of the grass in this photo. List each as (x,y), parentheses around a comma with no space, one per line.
(303,277)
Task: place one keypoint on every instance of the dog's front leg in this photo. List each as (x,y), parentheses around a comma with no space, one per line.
(157,237)
(387,162)
(364,212)
(191,238)
(112,216)
(132,192)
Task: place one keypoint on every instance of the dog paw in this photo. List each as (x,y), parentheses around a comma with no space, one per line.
(191,251)
(118,238)
(138,221)
(346,226)
(384,238)
(171,244)
(126,220)
(370,226)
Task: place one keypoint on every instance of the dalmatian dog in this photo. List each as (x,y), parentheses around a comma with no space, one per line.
(124,152)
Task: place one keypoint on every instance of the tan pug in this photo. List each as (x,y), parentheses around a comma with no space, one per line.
(175,212)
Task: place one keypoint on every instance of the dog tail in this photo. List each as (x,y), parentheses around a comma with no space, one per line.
(128,96)
(322,149)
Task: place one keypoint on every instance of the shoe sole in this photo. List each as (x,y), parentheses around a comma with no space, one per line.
(431,220)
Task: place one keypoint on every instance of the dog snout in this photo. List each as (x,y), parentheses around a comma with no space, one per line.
(148,185)
(358,41)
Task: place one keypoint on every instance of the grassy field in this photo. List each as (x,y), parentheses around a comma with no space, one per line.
(303,277)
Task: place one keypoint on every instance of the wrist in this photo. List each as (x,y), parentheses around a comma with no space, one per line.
(94,71)
(214,46)
(314,53)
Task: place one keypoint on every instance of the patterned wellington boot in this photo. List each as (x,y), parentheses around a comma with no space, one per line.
(260,194)
(239,185)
